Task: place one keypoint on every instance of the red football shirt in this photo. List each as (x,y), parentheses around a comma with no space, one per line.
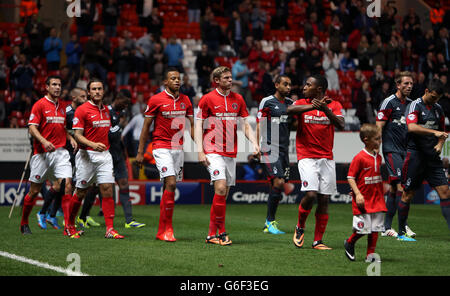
(170,119)
(94,122)
(50,119)
(315,132)
(365,169)
(221,114)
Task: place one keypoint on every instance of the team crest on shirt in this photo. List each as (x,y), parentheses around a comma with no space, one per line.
(75,120)
(38,177)
(305,183)
(164,169)
(31,117)
(182,106)
(83,182)
(412,116)
(216,172)
(234,106)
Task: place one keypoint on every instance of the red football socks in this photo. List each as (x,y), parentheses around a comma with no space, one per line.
(28,204)
(108,211)
(74,208)
(372,242)
(321,225)
(166,207)
(302,215)
(218,212)
(66,207)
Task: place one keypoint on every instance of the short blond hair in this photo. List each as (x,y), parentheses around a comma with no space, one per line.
(217,72)
(368,130)
(399,77)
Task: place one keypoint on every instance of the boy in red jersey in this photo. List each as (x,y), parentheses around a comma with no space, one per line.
(168,110)
(93,161)
(369,207)
(216,138)
(50,160)
(317,117)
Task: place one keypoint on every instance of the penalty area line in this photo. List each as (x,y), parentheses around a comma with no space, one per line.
(41,264)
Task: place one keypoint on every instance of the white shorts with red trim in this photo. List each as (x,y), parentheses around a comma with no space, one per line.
(368,223)
(50,166)
(222,168)
(318,174)
(169,162)
(93,167)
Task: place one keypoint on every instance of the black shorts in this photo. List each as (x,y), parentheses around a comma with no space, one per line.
(418,167)
(276,166)
(394,164)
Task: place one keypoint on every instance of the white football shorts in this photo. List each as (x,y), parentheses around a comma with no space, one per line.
(222,168)
(318,174)
(169,162)
(368,223)
(50,166)
(93,167)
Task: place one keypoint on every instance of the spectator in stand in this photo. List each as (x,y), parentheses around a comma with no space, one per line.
(157,62)
(256,54)
(22,77)
(364,105)
(135,126)
(419,86)
(410,59)
(363,54)
(296,83)
(241,75)
(52,47)
(193,8)
(139,106)
(237,30)
(3,71)
(247,46)
(423,45)
(378,79)
(312,27)
(345,18)
(411,27)
(316,7)
(441,65)
(187,88)
(347,63)
(379,94)
(282,64)
(274,55)
(258,19)
(144,48)
(89,15)
(84,79)
(122,60)
(314,62)
(363,22)
(175,54)
(299,53)
(437,16)
(252,169)
(95,57)
(393,54)
(110,16)
(335,34)
(429,67)
(28,8)
(442,44)
(330,65)
(74,51)
(67,82)
(2,109)
(211,32)
(204,64)
(155,23)
(264,80)
(387,22)
(377,52)
(35,30)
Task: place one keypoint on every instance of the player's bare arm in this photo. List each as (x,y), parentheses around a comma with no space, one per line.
(298,109)
(359,198)
(143,139)
(380,124)
(34,132)
(198,136)
(100,147)
(417,129)
(248,131)
(71,140)
(191,121)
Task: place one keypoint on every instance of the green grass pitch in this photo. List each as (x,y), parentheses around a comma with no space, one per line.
(253,253)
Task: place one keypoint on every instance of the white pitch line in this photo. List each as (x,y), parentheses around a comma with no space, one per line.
(41,264)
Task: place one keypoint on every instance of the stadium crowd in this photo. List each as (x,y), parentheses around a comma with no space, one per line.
(128,44)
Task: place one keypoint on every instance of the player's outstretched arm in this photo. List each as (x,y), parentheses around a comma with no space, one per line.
(298,109)
(143,140)
(34,132)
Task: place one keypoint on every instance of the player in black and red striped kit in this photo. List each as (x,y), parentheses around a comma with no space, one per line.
(426,136)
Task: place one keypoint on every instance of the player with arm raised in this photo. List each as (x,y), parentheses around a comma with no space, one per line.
(168,110)
(50,160)
(317,117)
(426,136)
(272,128)
(391,121)
(216,138)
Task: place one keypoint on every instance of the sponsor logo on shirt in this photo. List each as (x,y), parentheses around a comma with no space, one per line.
(55,119)
(316,119)
(101,123)
(373,180)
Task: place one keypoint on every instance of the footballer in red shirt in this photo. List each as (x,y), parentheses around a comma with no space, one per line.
(366,183)
(216,138)
(93,161)
(168,110)
(317,117)
(50,160)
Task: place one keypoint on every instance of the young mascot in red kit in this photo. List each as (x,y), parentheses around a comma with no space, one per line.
(369,207)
